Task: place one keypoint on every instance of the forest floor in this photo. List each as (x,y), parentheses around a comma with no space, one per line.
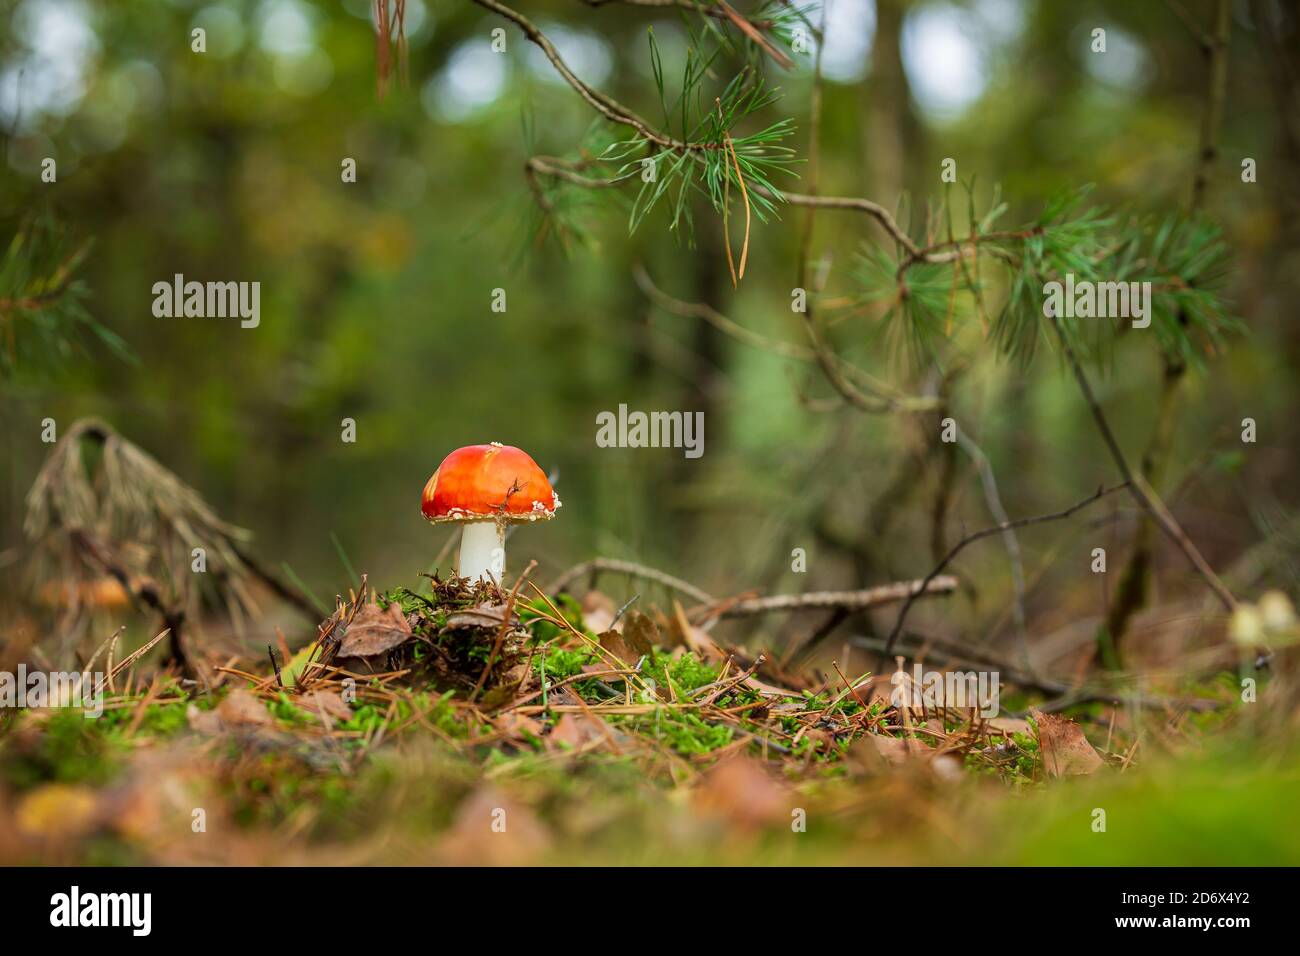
(476,726)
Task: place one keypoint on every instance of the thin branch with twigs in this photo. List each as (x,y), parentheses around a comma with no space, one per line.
(972,538)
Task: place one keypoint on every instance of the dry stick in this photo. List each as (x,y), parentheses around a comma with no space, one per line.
(631,569)
(1137,484)
(850,600)
(994,502)
(969,539)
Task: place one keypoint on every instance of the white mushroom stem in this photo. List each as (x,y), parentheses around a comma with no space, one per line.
(482,551)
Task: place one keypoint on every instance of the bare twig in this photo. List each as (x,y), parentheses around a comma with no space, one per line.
(632,569)
(1137,484)
(606,106)
(971,538)
(994,501)
(849,600)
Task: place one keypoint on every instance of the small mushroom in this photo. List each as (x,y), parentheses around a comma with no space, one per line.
(484,488)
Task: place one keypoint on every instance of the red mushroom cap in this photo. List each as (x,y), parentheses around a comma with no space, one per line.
(484,482)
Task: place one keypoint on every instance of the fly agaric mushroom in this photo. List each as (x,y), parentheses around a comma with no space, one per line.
(486,487)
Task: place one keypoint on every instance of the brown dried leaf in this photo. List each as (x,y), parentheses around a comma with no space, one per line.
(492,830)
(897,751)
(374,631)
(485,615)
(517,725)
(620,647)
(241,709)
(641,633)
(741,791)
(575,730)
(1065,749)
(203,721)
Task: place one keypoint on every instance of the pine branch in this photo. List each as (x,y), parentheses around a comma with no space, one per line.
(606,106)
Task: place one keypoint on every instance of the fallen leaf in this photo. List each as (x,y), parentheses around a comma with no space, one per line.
(640,632)
(575,730)
(620,647)
(742,792)
(1064,748)
(241,708)
(518,725)
(485,615)
(203,721)
(490,829)
(374,630)
(897,751)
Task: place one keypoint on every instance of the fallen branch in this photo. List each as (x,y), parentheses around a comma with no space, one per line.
(848,600)
(632,569)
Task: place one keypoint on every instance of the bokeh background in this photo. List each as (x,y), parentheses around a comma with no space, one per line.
(376,296)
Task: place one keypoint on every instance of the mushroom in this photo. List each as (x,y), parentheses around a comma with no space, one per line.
(484,488)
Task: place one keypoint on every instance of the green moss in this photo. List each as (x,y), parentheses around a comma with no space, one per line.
(67,748)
